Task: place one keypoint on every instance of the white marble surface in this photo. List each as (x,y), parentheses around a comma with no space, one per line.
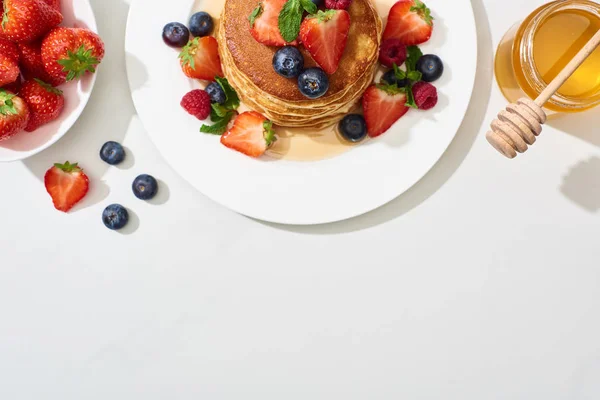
(482,282)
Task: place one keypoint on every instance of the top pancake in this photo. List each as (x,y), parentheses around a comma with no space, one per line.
(254,59)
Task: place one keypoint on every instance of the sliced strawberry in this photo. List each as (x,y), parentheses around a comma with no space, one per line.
(200,59)
(265,26)
(383,105)
(251,134)
(410,21)
(9,70)
(66,184)
(325,36)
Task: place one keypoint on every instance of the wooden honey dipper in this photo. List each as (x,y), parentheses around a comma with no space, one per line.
(519,124)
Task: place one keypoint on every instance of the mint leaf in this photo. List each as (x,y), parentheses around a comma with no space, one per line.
(232,101)
(290,19)
(413,55)
(414,76)
(255,14)
(410,98)
(400,75)
(309,6)
(218,110)
(219,127)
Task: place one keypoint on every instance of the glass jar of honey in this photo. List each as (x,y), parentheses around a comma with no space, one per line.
(534,52)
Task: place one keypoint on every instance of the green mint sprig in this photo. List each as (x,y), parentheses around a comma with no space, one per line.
(411,73)
(290,17)
(221,114)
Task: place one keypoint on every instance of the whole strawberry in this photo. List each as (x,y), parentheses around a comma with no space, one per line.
(69,53)
(32,66)
(28,20)
(9,49)
(45,103)
(9,70)
(54,4)
(14,114)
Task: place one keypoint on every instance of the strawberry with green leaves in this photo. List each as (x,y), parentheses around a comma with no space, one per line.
(290,18)
(66,184)
(70,53)
(200,59)
(45,103)
(251,134)
(32,65)
(14,114)
(28,20)
(383,105)
(325,35)
(409,21)
(9,70)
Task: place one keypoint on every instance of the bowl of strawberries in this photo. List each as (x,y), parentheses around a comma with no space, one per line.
(49,53)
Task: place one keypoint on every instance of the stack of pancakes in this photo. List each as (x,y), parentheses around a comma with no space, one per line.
(248,67)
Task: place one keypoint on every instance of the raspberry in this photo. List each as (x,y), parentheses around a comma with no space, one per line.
(197,103)
(392,52)
(337,4)
(425,95)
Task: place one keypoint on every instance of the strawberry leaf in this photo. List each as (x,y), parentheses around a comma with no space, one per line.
(290,19)
(390,89)
(188,52)
(49,88)
(78,63)
(7,106)
(68,167)
(424,12)
(255,14)
(269,133)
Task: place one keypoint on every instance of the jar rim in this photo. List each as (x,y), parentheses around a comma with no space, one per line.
(532,74)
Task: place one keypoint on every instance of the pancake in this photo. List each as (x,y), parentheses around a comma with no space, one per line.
(247,65)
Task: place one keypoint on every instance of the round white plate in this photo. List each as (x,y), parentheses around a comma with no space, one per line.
(78,14)
(288,192)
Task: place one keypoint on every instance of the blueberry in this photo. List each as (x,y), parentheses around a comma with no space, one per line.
(115,217)
(313,82)
(318,3)
(431,67)
(112,153)
(176,34)
(353,127)
(144,187)
(288,62)
(201,24)
(390,78)
(216,93)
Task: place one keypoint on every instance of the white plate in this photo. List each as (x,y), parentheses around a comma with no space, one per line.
(78,14)
(288,192)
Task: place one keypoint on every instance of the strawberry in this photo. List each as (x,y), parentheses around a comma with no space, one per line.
(14,87)
(68,53)
(45,103)
(264,23)
(9,49)
(27,20)
(32,65)
(325,35)
(251,134)
(383,105)
(14,114)
(66,184)
(9,70)
(200,59)
(54,4)
(409,21)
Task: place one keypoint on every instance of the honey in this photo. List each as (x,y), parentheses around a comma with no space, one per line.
(534,52)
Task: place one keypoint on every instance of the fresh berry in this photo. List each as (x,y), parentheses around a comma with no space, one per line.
(325,35)
(200,59)
(28,20)
(216,93)
(338,4)
(9,49)
(431,67)
(392,52)
(251,134)
(69,53)
(145,187)
(54,4)
(14,87)
(32,65)
(45,103)
(391,79)
(115,217)
(112,153)
(197,103)
(288,62)
(66,184)
(265,26)
(318,3)
(14,114)
(175,34)
(9,70)
(409,21)
(313,82)
(201,24)
(353,127)
(425,94)
(382,107)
